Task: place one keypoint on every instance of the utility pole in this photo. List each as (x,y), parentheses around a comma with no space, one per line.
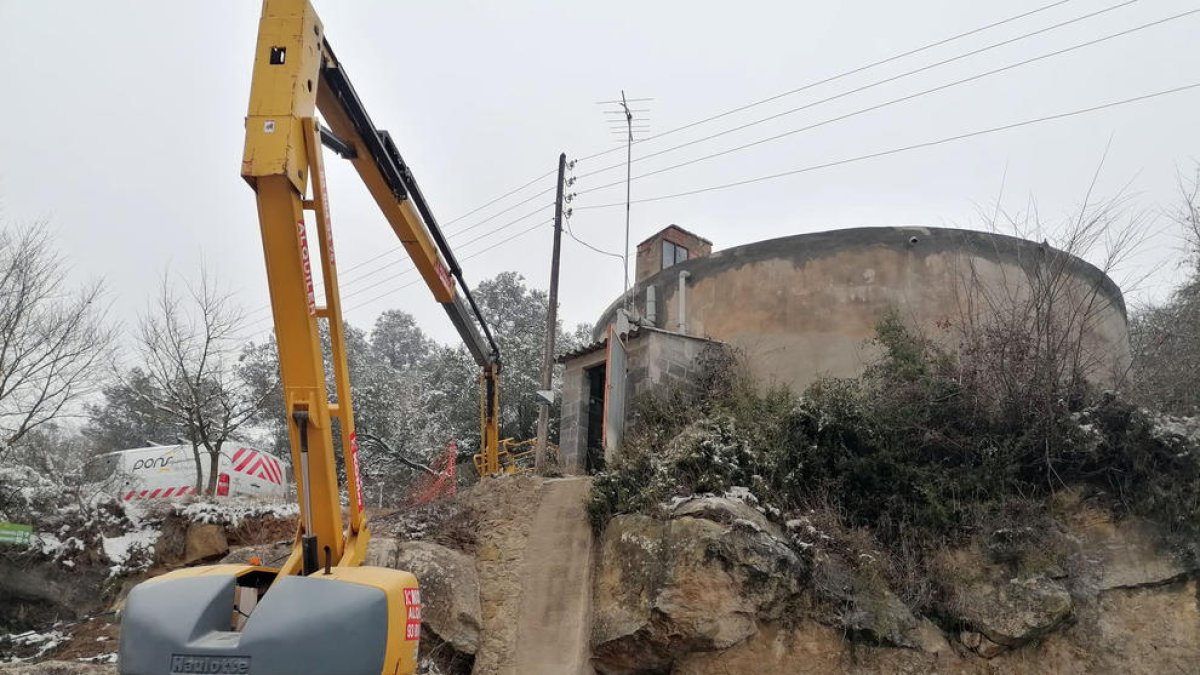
(628,174)
(543,428)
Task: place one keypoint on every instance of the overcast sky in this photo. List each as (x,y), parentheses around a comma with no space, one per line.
(121,125)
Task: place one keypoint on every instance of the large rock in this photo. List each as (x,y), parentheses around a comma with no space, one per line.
(381,552)
(205,541)
(271,555)
(863,603)
(667,589)
(1127,552)
(449,587)
(724,510)
(1015,612)
(46,590)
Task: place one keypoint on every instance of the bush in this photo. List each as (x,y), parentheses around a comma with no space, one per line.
(923,447)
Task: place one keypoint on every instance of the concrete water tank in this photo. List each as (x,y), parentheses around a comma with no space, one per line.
(806,306)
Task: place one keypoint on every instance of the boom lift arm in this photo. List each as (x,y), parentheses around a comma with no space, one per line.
(344,619)
(296,73)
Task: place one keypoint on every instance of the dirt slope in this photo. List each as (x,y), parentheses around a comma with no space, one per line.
(553,627)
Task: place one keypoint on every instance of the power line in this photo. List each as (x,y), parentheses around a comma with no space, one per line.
(835,119)
(460,231)
(893,151)
(458,218)
(842,75)
(469,257)
(877,83)
(895,101)
(696,123)
(571,232)
(506,194)
(412,267)
(377,270)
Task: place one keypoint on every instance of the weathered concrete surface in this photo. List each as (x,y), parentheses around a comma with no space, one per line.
(803,306)
(505,509)
(554,624)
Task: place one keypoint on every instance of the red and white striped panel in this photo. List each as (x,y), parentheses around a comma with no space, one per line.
(160,493)
(258,464)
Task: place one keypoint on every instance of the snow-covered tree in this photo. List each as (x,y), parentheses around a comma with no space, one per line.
(188,346)
(128,416)
(397,338)
(53,341)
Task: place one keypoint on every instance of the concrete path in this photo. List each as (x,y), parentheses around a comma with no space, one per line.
(554,626)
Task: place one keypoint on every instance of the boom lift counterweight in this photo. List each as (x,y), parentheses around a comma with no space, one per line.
(321,612)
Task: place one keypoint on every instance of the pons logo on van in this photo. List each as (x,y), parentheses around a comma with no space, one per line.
(152,463)
(187,664)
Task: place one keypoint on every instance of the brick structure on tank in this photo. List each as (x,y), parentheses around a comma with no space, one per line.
(668,248)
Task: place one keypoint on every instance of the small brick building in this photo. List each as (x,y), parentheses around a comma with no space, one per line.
(632,357)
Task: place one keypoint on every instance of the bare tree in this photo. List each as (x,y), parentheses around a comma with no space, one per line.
(189,346)
(1051,319)
(1166,337)
(53,340)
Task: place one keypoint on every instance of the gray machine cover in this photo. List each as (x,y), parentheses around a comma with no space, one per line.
(303,626)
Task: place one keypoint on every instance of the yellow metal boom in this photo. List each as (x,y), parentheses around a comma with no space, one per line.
(324,613)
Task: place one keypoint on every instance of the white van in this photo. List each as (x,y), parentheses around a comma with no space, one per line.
(169,471)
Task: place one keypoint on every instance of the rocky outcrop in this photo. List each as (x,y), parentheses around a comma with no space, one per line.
(270,555)
(862,603)
(449,587)
(1014,612)
(503,510)
(668,589)
(714,588)
(1126,553)
(46,592)
(205,541)
(449,592)
(183,542)
(58,668)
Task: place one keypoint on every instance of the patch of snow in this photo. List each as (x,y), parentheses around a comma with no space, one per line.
(129,552)
(428,667)
(232,512)
(681,499)
(42,642)
(742,522)
(1167,426)
(742,494)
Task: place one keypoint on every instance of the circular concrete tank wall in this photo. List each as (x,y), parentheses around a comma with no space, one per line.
(806,306)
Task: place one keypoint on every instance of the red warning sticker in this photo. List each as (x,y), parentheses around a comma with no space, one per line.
(412,607)
(357,473)
(306,264)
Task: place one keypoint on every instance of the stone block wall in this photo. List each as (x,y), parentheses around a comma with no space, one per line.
(657,359)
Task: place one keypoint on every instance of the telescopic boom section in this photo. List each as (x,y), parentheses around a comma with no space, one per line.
(296,74)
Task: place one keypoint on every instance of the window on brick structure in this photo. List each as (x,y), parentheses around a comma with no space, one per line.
(673,254)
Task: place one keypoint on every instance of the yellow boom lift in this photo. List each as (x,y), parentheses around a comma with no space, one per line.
(321,612)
